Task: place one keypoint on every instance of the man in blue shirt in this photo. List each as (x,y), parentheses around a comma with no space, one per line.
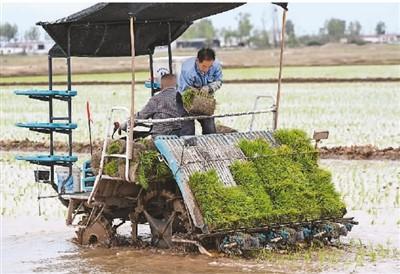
(205,74)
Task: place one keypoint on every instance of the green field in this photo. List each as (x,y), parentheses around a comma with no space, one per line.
(341,72)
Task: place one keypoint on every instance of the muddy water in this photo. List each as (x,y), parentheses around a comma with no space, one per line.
(44,244)
(36,245)
(33,244)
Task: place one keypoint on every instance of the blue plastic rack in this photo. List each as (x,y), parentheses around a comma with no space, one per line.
(45,95)
(49,127)
(48,160)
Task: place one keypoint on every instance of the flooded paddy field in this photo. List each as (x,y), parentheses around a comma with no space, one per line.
(352,112)
(44,244)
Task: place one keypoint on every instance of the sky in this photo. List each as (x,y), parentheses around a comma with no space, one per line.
(308,18)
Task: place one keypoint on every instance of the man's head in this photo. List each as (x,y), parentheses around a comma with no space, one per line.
(168,81)
(205,59)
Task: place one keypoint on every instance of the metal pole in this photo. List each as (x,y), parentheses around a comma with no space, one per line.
(69,84)
(69,58)
(169,48)
(69,88)
(50,64)
(189,118)
(132,118)
(278,94)
(151,73)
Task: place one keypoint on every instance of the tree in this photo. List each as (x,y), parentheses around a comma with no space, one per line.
(291,36)
(32,34)
(201,29)
(8,31)
(244,26)
(228,35)
(354,28)
(380,28)
(289,28)
(335,28)
(312,40)
(260,39)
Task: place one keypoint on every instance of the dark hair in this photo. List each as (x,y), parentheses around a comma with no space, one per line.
(206,54)
(168,76)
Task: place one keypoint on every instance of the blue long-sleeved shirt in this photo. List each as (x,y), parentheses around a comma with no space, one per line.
(191,76)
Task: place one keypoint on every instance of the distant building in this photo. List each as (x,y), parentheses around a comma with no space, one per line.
(24,47)
(198,43)
(9,48)
(381,39)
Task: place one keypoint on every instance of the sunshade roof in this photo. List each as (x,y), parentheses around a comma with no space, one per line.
(103,29)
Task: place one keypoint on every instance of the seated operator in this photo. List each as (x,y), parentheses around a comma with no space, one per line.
(161,106)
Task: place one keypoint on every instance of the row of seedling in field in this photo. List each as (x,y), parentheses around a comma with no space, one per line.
(351,112)
(367,184)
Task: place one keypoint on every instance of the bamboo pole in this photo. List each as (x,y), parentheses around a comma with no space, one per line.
(278,94)
(132,117)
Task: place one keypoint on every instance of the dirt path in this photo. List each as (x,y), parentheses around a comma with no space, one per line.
(364,152)
(327,55)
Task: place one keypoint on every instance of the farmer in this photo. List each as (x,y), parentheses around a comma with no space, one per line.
(205,74)
(161,106)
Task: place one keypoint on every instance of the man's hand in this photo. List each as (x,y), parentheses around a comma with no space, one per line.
(211,88)
(117,127)
(193,88)
(205,90)
(214,86)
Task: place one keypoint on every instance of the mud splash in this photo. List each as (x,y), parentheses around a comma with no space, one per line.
(362,152)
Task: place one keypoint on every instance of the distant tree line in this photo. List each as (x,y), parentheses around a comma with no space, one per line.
(9,32)
(245,34)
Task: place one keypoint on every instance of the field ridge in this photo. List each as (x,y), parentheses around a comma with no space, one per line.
(354,152)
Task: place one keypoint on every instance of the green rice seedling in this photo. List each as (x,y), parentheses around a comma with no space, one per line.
(360,258)
(187,97)
(245,175)
(116,147)
(291,177)
(111,168)
(197,102)
(329,199)
(373,256)
(270,186)
(303,152)
(222,207)
(151,169)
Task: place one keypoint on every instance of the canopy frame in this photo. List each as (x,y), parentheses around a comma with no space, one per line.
(54,52)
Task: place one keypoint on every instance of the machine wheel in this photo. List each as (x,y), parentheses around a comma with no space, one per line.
(97,233)
(166,214)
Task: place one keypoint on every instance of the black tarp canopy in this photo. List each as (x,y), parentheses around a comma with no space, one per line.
(102,30)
